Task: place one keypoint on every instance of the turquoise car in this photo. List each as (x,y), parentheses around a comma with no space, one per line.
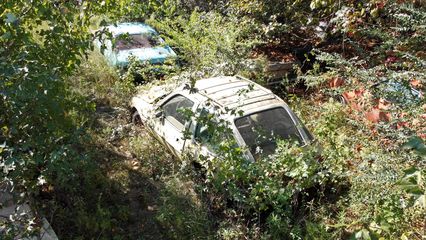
(135,39)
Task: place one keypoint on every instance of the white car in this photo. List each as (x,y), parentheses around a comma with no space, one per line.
(254,116)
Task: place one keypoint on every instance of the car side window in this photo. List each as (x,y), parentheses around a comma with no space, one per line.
(172,110)
(203,134)
(209,133)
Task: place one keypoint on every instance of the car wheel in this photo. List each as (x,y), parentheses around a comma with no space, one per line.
(136,118)
(340,99)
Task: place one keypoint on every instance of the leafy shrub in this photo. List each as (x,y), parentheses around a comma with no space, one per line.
(372,205)
(98,80)
(42,120)
(209,44)
(141,73)
(268,189)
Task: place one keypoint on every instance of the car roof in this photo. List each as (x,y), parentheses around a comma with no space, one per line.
(130,28)
(236,92)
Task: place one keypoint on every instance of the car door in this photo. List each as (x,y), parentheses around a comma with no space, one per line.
(202,145)
(171,122)
(207,136)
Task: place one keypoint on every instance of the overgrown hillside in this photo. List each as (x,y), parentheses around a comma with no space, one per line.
(68,147)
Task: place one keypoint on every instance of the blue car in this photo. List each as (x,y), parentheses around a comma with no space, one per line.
(138,40)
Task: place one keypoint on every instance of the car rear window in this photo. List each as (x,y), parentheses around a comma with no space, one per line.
(133,41)
(261,131)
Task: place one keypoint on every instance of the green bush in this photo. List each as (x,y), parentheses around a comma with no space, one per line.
(371,202)
(270,187)
(208,44)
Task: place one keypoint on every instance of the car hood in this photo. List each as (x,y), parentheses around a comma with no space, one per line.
(149,96)
(153,55)
(153,94)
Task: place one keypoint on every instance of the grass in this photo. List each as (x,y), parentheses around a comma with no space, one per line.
(101,83)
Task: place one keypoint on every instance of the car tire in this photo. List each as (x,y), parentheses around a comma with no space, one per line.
(136,118)
(340,99)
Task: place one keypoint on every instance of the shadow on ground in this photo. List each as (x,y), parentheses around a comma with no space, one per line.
(126,190)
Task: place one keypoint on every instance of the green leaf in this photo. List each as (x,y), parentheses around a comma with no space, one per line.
(412,183)
(417,144)
(6,35)
(10,18)
(2,146)
(413,143)
(363,234)
(420,201)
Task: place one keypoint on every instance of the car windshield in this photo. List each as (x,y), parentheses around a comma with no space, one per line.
(140,40)
(261,131)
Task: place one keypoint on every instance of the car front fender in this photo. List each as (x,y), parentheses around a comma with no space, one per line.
(144,108)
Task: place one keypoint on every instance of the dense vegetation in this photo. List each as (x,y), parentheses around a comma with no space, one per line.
(67,147)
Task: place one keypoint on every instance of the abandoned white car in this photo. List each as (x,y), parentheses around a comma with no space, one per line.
(256,117)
